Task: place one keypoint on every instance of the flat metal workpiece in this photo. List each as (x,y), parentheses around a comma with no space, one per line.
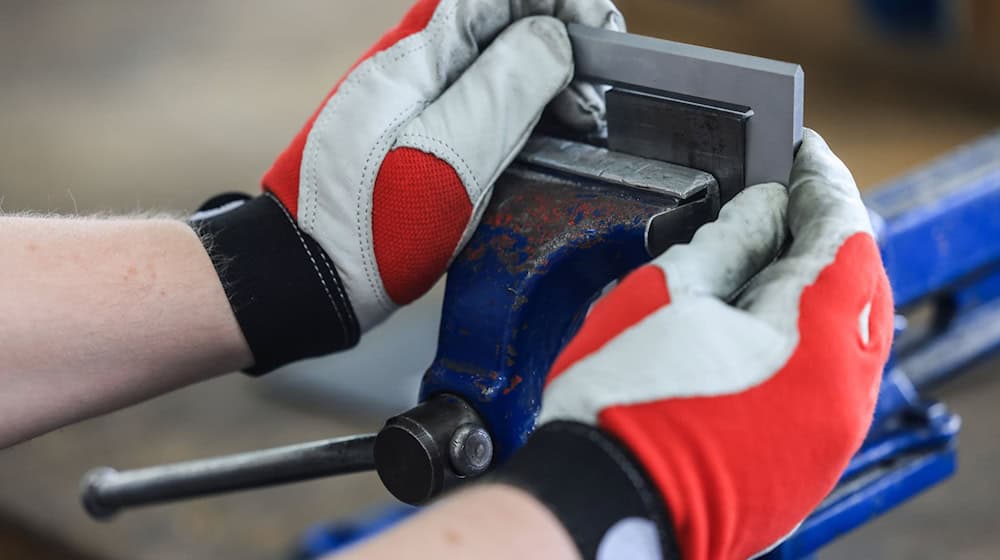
(584,160)
(695,135)
(772,89)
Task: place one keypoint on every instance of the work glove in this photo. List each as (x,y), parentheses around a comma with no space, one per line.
(385,183)
(713,398)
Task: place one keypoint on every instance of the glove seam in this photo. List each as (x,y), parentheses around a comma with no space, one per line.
(319,274)
(281,297)
(363,207)
(340,291)
(477,184)
(433,29)
(351,82)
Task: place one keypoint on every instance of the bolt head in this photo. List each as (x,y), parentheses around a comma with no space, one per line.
(471,450)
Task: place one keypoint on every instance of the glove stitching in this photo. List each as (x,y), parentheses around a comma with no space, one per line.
(477,186)
(363,208)
(319,274)
(353,80)
(312,184)
(340,289)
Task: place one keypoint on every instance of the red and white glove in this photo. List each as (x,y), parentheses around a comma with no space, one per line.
(387,180)
(735,387)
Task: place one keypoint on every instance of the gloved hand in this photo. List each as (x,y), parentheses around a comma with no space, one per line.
(734,387)
(387,180)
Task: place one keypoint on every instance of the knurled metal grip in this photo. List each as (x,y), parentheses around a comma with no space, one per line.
(773,90)
(432,447)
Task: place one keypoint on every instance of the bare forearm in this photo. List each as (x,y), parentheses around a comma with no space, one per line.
(99,314)
(487,522)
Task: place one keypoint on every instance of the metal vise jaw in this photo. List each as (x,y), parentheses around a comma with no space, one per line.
(688,128)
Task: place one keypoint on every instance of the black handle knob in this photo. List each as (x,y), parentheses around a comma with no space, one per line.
(432,447)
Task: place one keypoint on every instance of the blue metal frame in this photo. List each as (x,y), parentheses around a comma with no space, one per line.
(940,224)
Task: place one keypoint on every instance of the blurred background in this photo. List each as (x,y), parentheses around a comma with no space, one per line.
(122,106)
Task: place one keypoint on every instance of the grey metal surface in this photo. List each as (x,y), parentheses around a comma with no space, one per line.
(106,490)
(772,89)
(679,225)
(584,160)
(692,134)
(470,450)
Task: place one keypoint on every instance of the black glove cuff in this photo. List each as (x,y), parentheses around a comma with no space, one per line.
(285,292)
(590,482)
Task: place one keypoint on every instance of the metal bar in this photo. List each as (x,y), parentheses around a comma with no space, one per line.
(772,89)
(694,135)
(106,490)
(600,164)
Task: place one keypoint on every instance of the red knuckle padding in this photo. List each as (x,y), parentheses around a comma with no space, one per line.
(738,470)
(419,211)
(283,178)
(637,296)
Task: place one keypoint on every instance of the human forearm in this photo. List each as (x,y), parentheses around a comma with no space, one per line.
(101,313)
(496,522)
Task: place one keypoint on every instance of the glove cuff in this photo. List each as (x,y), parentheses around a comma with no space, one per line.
(595,488)
(284,291)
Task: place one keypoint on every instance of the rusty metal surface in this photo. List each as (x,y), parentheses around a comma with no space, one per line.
(548,244)
(626,169)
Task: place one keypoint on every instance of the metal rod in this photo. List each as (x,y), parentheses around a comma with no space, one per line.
(106,490)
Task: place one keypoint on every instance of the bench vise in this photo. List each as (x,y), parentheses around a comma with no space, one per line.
(688,128)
